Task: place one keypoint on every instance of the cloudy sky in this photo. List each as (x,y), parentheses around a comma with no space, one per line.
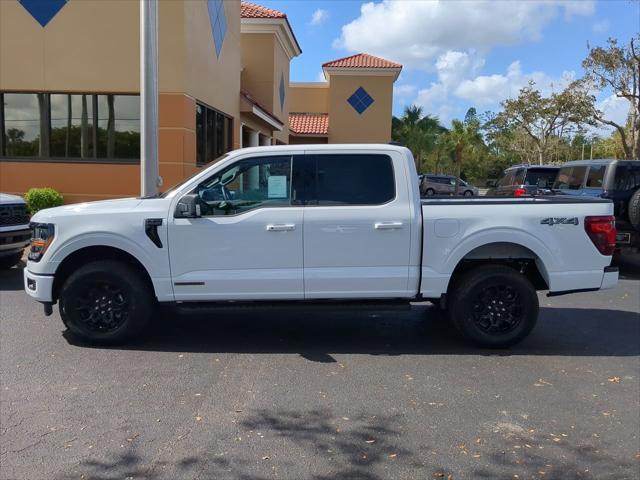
(458,53)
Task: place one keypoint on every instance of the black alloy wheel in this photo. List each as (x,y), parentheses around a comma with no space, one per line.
(493,306)
(106,302)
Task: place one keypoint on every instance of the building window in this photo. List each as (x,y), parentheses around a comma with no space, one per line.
(70,126)
(214,134)
(360,100)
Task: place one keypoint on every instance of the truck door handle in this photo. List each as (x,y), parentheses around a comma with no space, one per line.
(387,225)
(281,227)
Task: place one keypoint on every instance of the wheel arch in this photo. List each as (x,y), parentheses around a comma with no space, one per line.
(84,255)
(523,258)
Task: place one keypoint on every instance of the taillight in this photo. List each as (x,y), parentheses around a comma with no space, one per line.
(519,192)
(602,232)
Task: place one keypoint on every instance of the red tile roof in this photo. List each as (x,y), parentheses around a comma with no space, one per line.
(309,123)
(251,10)
(361,60)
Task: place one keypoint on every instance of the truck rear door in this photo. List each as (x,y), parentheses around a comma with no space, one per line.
(357,226)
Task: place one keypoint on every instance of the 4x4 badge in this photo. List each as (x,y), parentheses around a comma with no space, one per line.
(551,221)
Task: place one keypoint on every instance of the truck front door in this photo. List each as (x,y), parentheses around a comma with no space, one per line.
(247,244)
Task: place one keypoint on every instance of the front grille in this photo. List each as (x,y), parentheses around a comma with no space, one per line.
(13,215)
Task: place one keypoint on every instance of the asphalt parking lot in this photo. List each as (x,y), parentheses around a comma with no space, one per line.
(294,394)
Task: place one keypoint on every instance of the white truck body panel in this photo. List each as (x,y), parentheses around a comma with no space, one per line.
(400,249)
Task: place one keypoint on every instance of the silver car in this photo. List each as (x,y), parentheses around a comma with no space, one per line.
(445,185)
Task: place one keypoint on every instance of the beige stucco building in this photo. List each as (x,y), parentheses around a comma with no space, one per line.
(69,103)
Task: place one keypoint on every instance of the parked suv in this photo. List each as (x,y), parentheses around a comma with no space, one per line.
(616,180)
(521,180)
(14,229)
(445,185)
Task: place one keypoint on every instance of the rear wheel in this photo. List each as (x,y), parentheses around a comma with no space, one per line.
(634,210)
(430,192)
(105,302)
(493,306)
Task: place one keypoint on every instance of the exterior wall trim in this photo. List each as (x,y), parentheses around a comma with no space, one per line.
(261,114)
(356,72)
(277,26)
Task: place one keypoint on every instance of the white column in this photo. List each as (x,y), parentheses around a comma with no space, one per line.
(149,172)
(265,141)
(253,173)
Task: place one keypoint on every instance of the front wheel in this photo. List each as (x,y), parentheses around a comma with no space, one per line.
(430,192)
(468,193)
(105,302)
(494,306)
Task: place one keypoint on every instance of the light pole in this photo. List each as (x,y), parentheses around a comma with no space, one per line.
(149,174)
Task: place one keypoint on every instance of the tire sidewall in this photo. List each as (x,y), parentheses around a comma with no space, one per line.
(468,289)
(127,280)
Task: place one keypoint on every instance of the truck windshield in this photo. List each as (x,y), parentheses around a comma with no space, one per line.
(547,175)
(570,178)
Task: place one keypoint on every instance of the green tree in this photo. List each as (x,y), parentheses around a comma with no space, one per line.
(465,139)
(617,68)
(544,118)
(418,132)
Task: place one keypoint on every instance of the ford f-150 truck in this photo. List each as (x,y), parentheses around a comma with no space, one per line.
(317,224)
(14,229)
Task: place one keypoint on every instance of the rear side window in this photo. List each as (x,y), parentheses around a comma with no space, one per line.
(627,177)
(356,179)
(519,178)
(595,178)
(507,179)
(570,178)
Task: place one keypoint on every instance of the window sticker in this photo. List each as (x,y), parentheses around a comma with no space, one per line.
(277,186)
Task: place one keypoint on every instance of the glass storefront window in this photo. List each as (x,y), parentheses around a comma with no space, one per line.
(213,134)
(74,126)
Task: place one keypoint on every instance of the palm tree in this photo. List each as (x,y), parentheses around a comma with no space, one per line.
(417,132)
(465,139)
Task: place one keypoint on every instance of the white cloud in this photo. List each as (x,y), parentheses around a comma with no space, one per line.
(492,89)
(601,27)
(416,32)
(405,90)
(615,108)
(319,16)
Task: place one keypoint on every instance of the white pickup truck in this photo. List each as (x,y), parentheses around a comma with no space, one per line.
(317,224)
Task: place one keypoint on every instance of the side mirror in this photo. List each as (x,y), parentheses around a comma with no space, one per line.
(188,207)
(491,183)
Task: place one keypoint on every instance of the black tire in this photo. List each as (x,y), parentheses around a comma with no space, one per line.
(9,261)
(430,192)
(476,310)
(634,210)
(468,193)
(105,302)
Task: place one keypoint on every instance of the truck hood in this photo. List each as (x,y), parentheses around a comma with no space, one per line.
(120,205)
(8,198)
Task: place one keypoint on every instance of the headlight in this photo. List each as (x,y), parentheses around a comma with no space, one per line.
(41,237)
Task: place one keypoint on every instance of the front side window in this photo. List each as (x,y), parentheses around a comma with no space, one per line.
(353,179)
(247,184)
(570,178)
(595,177)
(70,126)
